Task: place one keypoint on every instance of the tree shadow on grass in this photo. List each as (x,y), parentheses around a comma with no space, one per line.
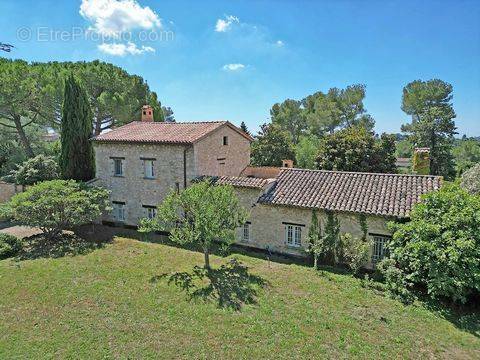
(68,244)
(231,285)
(466,317)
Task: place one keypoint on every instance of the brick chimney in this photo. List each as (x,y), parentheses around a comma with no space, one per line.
(421,161)
(287,163)
(147,113)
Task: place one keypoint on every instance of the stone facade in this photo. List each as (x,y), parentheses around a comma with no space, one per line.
(7,190)
(138,192)
(268,224)
(214,158)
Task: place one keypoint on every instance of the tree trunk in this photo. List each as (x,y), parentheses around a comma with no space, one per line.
(207,258)
(23,138)
(315,262)
(98,123)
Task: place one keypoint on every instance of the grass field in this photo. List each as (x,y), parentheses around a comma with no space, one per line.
(122,301)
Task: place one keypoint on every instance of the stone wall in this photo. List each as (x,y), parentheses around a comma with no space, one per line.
(267,228)
(7,190)
(214,158)
(133,188)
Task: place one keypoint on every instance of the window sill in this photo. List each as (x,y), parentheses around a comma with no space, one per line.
(149,178)
(293,246)
(119,176)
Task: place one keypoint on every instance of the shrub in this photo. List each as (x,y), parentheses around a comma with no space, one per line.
(9,245)
(354,252)
(34,170)
(439,248)
(471,180)
(396,282)
(57,205)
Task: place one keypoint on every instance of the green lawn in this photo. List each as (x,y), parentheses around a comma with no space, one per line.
(117,302)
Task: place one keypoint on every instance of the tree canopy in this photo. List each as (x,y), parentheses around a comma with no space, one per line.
(357,149)
(271,146)
(439,248)
(200,214)
(57,205)
(429,104)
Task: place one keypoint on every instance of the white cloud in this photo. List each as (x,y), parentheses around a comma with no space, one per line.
(223,25)
(129,48)
(113,17)
(233,67)
(279,43)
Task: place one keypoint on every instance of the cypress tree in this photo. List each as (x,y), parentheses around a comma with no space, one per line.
(76,158)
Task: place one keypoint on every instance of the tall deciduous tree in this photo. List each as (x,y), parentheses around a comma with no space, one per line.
(271,146)
(200,214)
(290,117)
(76,159)
(429,104)
(357,149)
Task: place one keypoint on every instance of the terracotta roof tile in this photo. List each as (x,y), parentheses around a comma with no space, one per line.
(237,181)
(379,194)
(162,132)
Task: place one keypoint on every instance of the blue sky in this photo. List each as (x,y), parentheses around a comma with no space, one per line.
(234,59)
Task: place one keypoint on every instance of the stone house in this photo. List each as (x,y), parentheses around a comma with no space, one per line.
(142,161)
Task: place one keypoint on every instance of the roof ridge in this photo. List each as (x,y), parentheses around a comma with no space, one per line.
(179,122)
(358,172)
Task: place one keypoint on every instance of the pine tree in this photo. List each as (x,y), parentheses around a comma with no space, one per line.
(76,158)
(244,128)
(430,105)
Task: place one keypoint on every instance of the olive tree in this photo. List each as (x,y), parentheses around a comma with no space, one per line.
(201,214)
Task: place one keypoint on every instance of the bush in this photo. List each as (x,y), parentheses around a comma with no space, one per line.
(439,249)
(471,180)
(354,252)
(34,170)
(57,205)
(396,282)
(9,245)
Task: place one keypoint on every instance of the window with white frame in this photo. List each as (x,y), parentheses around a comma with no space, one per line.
(246,232)
(118,166)
(379,250)
(151,211)
(293,235)
(118,211)
(148,167)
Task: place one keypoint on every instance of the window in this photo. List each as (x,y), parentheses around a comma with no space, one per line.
(148,168)
(118,166)
(119,211)
(293,235)
(225,140)
(151,211)
(379,249)
(246,232)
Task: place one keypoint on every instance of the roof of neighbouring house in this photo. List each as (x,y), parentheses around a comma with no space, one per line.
(264,172)
(368,193)
(165,132)
(237,181)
